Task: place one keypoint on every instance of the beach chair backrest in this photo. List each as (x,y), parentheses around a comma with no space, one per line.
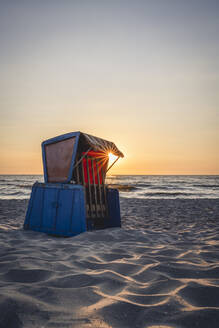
(58,159)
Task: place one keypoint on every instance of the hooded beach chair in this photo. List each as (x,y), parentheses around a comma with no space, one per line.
(74,197)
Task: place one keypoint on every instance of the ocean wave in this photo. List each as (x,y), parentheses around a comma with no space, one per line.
(122,187)
(28,186)
(168,194)
(9,185)
(167,188)
(13,181)
(14,193)
(145,185)
(206,186)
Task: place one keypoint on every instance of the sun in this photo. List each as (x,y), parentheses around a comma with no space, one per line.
(112,158)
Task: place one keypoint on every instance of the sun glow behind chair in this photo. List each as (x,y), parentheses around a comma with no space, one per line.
(74,197)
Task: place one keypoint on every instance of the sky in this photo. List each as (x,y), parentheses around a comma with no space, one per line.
(143,74)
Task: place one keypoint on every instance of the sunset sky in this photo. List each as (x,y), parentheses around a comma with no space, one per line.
(143,74)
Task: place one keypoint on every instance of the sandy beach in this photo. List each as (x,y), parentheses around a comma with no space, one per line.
(160,270)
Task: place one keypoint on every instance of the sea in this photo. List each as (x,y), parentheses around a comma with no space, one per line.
(130,186)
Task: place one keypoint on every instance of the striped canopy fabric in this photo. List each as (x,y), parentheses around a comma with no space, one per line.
(99,144)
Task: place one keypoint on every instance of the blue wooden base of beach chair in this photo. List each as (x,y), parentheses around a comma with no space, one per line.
(114,219)
(57,209)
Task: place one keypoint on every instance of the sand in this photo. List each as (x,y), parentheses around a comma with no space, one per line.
(160,270)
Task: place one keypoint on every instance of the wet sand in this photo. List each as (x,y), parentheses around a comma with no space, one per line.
(160,270)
